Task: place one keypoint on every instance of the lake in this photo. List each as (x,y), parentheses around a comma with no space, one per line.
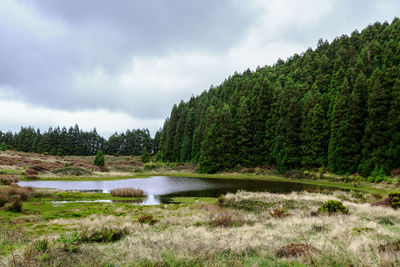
(160,189)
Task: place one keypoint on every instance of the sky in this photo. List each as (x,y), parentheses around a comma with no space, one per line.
(123,64)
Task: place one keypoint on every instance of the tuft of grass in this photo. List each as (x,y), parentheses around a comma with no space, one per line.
(127,192)
(14,205)
(393,247)
(280,213)
(103,234)
(41,245)
(12,196)
(147,219)
(226,218)
(295,250)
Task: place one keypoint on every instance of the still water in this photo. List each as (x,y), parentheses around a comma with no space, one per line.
(160,189)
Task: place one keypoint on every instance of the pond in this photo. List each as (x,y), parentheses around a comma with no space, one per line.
(160,189)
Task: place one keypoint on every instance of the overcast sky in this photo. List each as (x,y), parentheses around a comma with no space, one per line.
(122,64)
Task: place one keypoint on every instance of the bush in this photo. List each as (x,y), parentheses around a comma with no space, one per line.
(394,199)
(377,175)
(333,206)
(31,173)
(127,192)
(99,159)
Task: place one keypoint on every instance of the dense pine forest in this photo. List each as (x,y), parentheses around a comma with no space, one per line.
(337,106)
(74,141)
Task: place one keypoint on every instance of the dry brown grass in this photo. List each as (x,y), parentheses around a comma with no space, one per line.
(13,195)
(127,192)
(295,250)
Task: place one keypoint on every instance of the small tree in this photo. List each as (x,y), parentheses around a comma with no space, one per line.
(145,155)
(99,159)
(3,146)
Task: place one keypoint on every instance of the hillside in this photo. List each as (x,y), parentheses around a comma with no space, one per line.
(337,106)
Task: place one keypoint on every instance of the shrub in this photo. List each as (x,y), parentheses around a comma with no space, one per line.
(67,164)
(394,199)
(31,173)
(99,159)
(377,175)
(333,206)
(148,219)
(127,192)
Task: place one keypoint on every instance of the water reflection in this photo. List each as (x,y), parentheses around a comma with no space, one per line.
(160,189)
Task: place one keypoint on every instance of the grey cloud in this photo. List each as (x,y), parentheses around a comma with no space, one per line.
(39,61)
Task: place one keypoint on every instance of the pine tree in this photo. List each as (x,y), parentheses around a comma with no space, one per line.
(393,152)
(375,140)
(99,159)
(3,146)
(145,155)
(287,140)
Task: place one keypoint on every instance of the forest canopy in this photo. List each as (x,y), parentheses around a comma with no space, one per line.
(337,106)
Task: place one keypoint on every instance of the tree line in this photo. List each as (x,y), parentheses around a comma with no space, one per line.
(337,106)
(74,141)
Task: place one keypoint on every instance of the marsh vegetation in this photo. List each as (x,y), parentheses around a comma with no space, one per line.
(245,228)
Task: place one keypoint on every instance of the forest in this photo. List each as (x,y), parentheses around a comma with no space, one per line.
(73,141)
(337,106)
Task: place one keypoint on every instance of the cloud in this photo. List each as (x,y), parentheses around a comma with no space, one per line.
(104,121)
(132,60)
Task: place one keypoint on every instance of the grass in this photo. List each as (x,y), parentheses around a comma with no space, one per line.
(200,232)
(127,192)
